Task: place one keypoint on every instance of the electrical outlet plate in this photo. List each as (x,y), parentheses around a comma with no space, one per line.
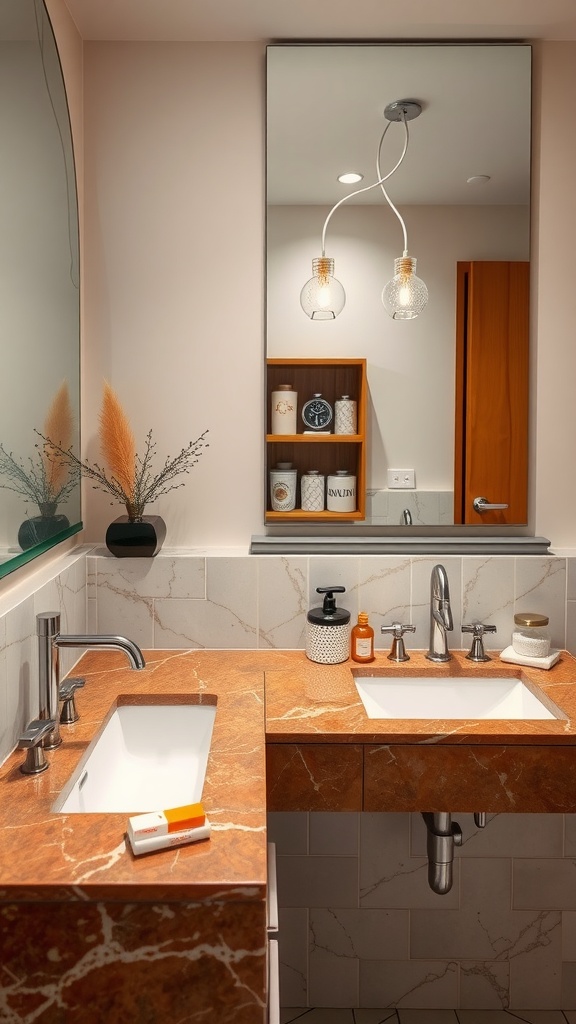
(401,478)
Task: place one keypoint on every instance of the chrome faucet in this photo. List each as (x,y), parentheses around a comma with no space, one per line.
(50,640)
(440,615)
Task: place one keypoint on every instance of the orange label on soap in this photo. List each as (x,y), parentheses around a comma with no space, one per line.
(189,816)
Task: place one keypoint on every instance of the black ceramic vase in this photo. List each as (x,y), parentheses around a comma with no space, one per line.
(39,529)
(126,539)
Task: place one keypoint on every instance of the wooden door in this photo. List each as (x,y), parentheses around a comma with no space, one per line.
(491,450)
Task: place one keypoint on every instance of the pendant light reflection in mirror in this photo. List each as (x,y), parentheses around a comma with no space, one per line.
(405,295)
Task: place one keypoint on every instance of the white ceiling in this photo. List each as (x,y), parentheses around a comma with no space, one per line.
(326,116)
(476,108)
(243,20)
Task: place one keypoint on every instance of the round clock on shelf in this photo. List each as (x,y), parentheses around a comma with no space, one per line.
(317,413)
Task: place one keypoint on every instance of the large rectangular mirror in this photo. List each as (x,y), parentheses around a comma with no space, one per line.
(39,289)
(463,190)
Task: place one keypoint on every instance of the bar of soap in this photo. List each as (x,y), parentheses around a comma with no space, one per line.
(150,843)
(162,823)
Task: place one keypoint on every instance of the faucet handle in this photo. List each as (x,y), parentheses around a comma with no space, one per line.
(397,629)
(478,629)
(66,692)
(31,741)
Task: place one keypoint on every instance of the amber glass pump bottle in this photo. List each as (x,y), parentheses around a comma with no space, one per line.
(362,638)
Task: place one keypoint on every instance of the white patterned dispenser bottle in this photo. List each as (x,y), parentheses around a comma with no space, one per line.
(328,630)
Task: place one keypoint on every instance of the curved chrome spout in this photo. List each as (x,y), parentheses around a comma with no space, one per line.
(111,643)
(50,639)
(440,615)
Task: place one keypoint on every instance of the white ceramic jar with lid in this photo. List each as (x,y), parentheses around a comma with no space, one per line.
(345,415)
(341,492)
(312,487)
(283,479)
(284,405)
(531,636)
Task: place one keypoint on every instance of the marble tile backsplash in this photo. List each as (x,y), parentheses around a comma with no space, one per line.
(225,601)
(61,588)
(427,508)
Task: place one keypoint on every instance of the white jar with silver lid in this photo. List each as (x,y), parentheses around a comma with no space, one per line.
(531,636)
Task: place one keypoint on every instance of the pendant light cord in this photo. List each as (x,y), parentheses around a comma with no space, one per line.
(381,180)
(379,173)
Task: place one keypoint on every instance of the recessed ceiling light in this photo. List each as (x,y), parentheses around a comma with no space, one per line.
(478,179)
(350,178)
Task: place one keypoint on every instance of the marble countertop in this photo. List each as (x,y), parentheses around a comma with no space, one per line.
(80,856)
(46,855)
(320,703)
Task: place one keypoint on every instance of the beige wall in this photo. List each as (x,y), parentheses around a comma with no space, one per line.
(174,273)
(174,270)
(174,280)
(554,480)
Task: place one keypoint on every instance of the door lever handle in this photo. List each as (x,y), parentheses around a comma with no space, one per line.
(483,505)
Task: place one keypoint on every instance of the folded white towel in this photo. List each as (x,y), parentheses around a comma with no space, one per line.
(510,655)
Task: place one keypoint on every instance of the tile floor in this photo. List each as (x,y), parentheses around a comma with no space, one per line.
(390,1016)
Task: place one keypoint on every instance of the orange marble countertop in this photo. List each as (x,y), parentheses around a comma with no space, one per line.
(46,855)
(310,703)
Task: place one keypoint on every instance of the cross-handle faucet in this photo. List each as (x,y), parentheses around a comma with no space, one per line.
(440,615)
(50,640)
(478,629)
(398,650)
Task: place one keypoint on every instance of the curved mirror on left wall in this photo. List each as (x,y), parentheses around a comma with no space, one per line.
(39,289)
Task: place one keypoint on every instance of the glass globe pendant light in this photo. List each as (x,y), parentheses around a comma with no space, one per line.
(322,297)
(405,296)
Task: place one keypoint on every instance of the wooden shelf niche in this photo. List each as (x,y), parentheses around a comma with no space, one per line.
(325,452)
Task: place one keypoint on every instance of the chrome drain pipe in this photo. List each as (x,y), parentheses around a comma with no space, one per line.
(443,835)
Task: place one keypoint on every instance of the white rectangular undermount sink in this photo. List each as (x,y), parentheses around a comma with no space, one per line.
(429,697)
(145,757)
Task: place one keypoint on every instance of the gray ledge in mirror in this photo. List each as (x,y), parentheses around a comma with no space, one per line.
(425,545)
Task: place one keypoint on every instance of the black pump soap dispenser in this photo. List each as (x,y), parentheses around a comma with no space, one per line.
(328,630)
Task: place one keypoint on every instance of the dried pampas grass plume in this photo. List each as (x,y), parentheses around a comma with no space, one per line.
(58,427)
(117,442)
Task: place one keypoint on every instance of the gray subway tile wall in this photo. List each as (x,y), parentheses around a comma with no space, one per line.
(290,1015)
(503,938)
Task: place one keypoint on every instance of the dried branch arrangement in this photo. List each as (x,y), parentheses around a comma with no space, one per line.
(129,477)
(45,478)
